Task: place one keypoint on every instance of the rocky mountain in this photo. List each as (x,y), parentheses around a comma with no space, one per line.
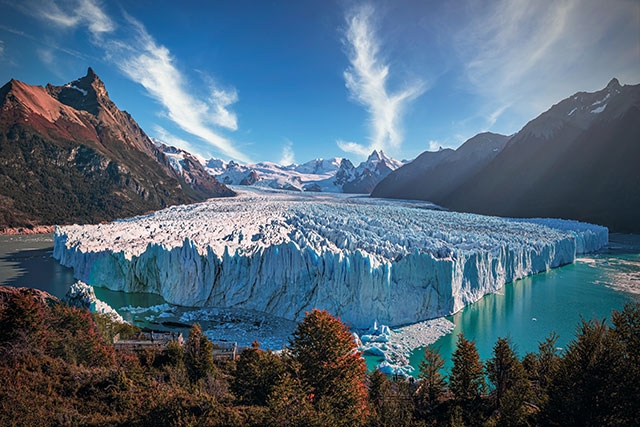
(334,175)
(577,160)
(441,172)
(68,154)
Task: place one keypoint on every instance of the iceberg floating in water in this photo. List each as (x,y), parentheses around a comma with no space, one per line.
(397,262)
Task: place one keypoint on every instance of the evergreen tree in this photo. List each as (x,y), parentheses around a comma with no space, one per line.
(198,354)
(583,390)
(330,365)
(257,372)
(290,404)
(391,402)
(432,383)
(467,376)
(512,387)
(626,332)
(542,366)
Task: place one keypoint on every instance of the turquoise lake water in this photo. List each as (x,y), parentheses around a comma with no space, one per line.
(527,310)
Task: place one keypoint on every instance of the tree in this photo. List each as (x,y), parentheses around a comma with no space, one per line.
(391,402)
(626,332)
(512,388)
(583,390)
(198,354)
(330,365)
(541,367)
(432,383)
(467,376)
(290,404)
(257,372)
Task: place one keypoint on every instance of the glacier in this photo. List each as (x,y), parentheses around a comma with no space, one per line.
(362,259)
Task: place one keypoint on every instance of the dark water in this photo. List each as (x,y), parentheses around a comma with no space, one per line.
(26,261)
(527,311)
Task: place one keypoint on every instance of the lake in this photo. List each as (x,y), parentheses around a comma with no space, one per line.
(527,310)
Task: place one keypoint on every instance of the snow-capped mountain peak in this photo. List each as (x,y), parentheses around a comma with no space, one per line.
(334,175)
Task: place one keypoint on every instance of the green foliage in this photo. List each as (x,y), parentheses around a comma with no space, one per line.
(467,376)
(541,367)
(290,404)
(109,328)
(257,373)
(391,403)
(626,332)
(432,383)
(511,385)
(198,355)
(598,370)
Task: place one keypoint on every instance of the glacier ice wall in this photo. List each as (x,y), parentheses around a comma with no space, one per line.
(396,262)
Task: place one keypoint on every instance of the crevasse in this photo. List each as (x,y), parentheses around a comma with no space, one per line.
(365,260)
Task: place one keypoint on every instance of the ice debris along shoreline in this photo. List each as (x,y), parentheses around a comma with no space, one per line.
(365,260)
(82,295)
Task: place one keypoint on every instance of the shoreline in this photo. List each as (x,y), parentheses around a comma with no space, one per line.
(26,231)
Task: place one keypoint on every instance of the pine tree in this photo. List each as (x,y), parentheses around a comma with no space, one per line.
(290,404)
(198,354)
(467,376)
(257,372)
(432,383)
(583,389)
(512,387)
(626,332)
(330,365)
(541,367)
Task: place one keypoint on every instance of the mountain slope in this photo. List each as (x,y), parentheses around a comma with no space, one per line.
(577,160)
(441,172)
(68,154)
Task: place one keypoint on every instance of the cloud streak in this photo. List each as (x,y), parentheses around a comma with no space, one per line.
(139,57)
(81,12)
(152,65)
(523,55)
(367,79)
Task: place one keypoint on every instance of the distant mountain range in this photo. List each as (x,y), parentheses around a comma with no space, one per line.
(579,160)
(68,154)
(336,175)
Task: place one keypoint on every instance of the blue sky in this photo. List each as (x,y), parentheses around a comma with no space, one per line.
(289,81)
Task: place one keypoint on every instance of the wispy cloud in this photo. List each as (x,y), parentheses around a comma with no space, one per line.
(288,156)
(79,12)
(355,148)
(143,60)
(524,55)
(1,48)
(367,80)
(46,56)
(152,65)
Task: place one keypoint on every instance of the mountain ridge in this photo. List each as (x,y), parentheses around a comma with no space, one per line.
(68,154)
(576,160)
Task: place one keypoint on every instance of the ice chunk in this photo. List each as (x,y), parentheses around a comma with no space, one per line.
(82,295)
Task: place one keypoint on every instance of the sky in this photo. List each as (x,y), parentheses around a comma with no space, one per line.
(291,81)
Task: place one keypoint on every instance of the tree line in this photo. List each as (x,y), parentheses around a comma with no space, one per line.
(58,368)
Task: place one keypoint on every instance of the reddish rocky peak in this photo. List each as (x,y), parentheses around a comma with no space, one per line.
(87,93)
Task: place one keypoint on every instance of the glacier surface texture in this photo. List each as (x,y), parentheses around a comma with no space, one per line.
(365,260)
